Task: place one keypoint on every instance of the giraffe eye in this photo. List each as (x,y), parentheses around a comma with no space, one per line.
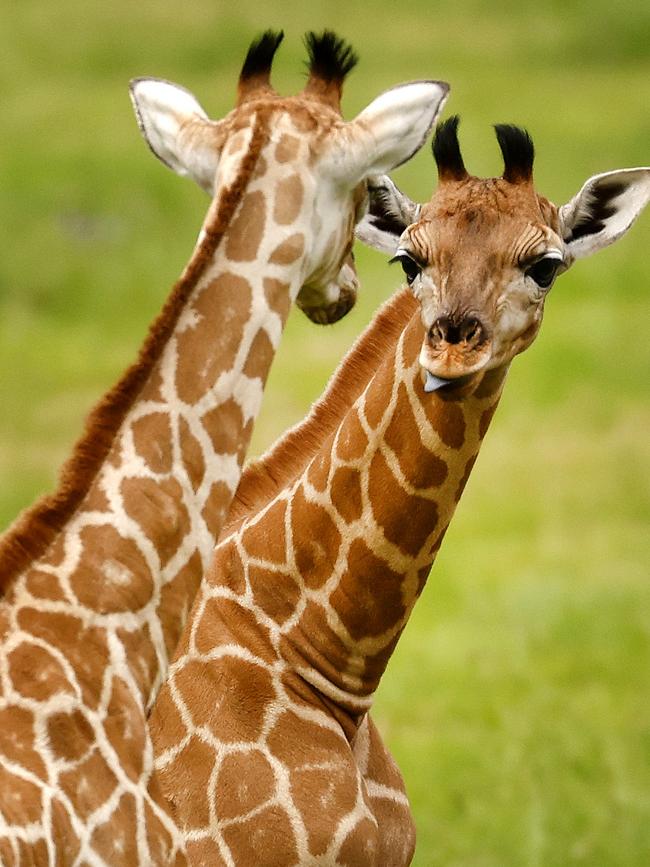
(410,267)
(544,270)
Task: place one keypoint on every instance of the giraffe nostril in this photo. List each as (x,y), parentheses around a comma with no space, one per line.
(449,329)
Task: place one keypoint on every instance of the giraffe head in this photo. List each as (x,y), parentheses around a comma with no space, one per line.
(482,254)
(311,168)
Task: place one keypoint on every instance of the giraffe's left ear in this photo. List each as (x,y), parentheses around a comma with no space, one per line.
(177,129)
(603,210)
(390,211)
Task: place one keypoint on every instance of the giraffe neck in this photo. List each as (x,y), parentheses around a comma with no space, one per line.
(359,529)
(130,552)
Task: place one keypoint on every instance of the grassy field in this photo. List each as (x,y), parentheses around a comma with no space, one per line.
(518,702)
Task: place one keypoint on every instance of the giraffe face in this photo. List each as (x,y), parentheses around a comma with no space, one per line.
(482,255)
(309,187)
(481,260)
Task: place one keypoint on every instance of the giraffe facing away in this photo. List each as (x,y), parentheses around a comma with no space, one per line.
(263,738)
(97,580)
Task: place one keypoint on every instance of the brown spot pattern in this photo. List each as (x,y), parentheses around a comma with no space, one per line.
(266,839)
(70,735)
(369,596)
(260,356)
(20,750)
(175,598)
(265,539)
(448,421)
(351,441)
(224,425)
(288,200)
(420,466)
(158,508)
(244,782)
(277,297)
(191,454)
(315,550)
(36,673)
(390,503)
(247,228)
(210,346)
(287,148)
(346,493)
(216,507)
(42,585)
(152,438)
(289,250)
(276,593)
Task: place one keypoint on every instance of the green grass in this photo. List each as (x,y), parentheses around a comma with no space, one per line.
(517,703)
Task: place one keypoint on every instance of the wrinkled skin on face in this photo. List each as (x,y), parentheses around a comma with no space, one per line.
(477,244)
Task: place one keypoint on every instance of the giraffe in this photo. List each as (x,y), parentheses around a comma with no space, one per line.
(264,743)
(97,580)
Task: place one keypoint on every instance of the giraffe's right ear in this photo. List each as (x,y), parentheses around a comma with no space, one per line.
(387,132)
(177,129)
(390,211)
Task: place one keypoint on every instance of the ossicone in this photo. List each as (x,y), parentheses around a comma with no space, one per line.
(330,59)
(256,71)
(518,153)
(446,151)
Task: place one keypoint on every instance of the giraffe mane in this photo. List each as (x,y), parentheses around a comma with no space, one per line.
(37,527)
(265,477)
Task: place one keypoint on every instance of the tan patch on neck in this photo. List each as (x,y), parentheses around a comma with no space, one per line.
(244,783)
(277,297)
(260,356)
(369,596)
(70,735)
(175,598)
(152,438)
(191,454)
(20,749)
(244,236)
(420,466)
(42,585)
(289,194)
(287,148)
(265,540)
(315,551)
(210,347)
(159,510)
(113,575)
(276,593)
(116,839)
(268,831)
(216,507)
(289,250)
(391,503)
(225,424)
(351,441)
(346,493)
(36,673)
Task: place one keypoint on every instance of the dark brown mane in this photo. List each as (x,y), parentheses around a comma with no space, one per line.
(264,478)
(35,530)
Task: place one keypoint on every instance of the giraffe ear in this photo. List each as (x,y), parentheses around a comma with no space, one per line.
(390,211)
(177,129)
(388,132)
(604,210)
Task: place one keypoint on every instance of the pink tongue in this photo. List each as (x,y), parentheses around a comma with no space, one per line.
(433,383)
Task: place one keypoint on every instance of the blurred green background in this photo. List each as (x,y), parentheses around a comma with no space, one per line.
(518,702)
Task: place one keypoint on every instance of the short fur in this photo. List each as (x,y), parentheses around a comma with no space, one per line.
(518,153)
(35,530)
(446,151)
(264,478)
